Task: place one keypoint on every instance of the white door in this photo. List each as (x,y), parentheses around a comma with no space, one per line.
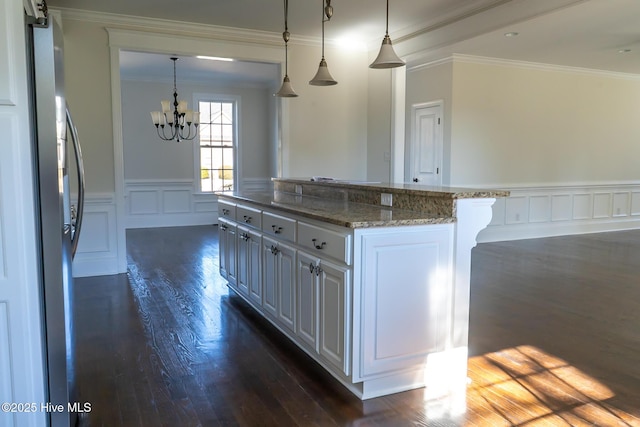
(425,164)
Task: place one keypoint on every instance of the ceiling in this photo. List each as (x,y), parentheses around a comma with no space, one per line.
(575,33)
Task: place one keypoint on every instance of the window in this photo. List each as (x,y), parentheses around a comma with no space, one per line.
(218,143)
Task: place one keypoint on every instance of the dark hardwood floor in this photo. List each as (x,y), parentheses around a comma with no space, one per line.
(554,340)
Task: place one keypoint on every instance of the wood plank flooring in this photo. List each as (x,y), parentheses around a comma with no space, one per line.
(554,341)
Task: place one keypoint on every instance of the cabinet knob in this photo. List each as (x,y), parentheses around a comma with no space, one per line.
(319,270)
(311,267)
(225,211)
(223,227)
(274,250)
(276,229)
(245,236)
(247,219)
(415,179)
(318,246)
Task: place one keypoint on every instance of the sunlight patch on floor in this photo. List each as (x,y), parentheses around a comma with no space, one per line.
(524,386)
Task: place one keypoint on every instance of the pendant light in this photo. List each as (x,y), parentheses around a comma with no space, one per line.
(286,90)
(387,58)
(323,77)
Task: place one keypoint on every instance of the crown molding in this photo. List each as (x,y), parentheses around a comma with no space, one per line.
(181,28)
(472,59)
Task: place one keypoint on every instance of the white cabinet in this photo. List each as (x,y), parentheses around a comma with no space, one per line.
(307,304)
(255,270)
(379,308)
(249,263)
(227,240)
(405,296)
(269,277)
(334,314)
(279,281)
(324,308)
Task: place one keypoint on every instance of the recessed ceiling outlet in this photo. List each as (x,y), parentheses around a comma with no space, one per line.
(386,199)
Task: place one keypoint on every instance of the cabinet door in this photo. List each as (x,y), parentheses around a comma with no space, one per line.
(307,307)
(286,286)
(405,294)
(222,250)
(230,254)
(242,245)
(270,276)
(255,267)
(335,314)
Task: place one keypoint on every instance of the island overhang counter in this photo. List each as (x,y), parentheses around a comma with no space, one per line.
(377,295)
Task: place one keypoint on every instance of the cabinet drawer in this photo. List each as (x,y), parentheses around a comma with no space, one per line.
(249,216)
(226,210)
(279,226)
(325,242)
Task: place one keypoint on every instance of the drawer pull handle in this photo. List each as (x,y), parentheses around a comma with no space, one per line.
(247,219)
(225,211)
(311,267)
(276,229)
(318,246)
(274,250)
(319,270)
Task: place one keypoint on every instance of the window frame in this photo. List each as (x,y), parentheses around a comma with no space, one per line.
(218,97)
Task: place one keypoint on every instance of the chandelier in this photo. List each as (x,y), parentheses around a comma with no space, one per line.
(179,121)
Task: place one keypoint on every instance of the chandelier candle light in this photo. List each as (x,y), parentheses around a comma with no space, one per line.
(179,120)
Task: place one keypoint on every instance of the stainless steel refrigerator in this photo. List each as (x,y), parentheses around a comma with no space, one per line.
(57,158)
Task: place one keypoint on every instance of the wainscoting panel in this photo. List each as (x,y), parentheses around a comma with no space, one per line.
(174,203)
(162,203)
(532,212)
(635,203)
(97,250)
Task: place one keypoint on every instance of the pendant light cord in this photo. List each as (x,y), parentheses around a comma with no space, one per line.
(323,15)
(286,38)
(387,28)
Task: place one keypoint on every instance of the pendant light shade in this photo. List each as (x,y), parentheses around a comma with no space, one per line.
(286,90)
(323,76)
(387,57)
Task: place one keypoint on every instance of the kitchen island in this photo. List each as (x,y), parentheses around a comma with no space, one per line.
(370,280)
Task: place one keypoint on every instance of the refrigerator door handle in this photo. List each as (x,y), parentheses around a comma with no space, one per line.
(75,229)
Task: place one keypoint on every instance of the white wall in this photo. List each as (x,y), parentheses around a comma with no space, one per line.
(523,126)
(328,125)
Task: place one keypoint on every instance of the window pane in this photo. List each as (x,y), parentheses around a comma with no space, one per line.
(216,132)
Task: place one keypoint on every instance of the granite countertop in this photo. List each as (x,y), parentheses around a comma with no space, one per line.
(408,188)
(339,212)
